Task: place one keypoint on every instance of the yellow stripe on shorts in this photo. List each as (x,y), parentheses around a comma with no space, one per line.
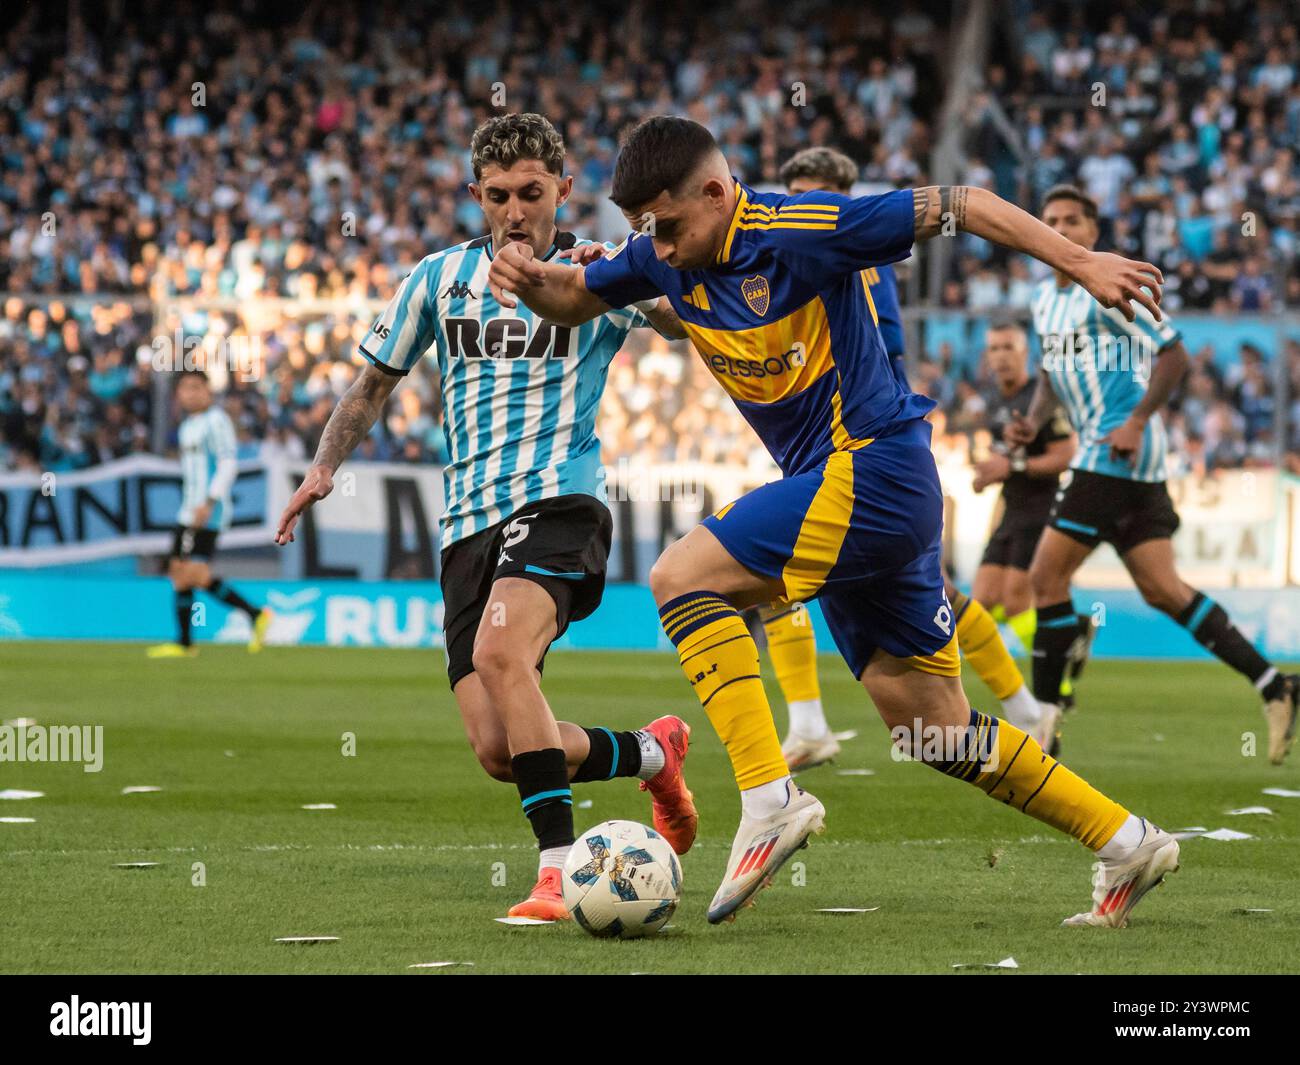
(826,523)
(945,662)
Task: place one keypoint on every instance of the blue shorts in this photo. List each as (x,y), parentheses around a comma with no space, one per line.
(860,533)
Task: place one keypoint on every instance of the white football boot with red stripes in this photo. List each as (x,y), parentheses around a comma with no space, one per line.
(1118,885)
(762,845)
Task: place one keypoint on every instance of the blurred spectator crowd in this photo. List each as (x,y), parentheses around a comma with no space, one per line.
(166,167)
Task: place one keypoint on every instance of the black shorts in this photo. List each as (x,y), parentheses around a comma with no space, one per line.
(1014,540)
(193,545)
(562,544)
(1092,507)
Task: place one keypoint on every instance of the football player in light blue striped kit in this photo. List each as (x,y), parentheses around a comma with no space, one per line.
(1113,377)
(526,531)
(208,469)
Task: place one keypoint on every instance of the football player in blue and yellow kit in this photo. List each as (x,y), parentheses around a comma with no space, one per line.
(769,288)
(790,638)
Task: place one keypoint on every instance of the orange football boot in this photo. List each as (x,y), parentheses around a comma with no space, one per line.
(671,801)
(546,901)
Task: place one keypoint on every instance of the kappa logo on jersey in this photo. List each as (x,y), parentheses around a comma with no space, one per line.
(943,618)
(459,290)
(516,531)
(507,338)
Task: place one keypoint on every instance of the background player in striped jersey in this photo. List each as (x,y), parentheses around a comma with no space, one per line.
(1028,475)
(526,530)
(790,639)
(1113,376)
(208,467)
(769,288)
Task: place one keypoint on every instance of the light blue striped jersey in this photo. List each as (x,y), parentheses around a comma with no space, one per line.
(205,440)
(520,394)
(1099,365)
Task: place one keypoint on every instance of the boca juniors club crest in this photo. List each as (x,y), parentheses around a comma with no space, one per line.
(756,293)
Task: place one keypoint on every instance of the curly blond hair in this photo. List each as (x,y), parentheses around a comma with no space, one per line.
(506,139)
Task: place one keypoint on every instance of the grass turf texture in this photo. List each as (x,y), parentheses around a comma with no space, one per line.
(403,871)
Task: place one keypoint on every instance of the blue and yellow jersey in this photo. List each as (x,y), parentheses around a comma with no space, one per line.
(785,320)
(884,294)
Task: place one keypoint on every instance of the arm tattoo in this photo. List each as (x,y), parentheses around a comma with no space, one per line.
(934,205)
(353,417)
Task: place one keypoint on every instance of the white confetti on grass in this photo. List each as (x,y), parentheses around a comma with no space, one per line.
(135,865)
(437,964)
(847,734)
(1005,963)
(586,804)
(1283,793)
(307,941)
(847,910)
(1242,811)
(1227,834)
(855,772)
(17,820)
(320,806)
(19,793)
(140,789)
(519,921)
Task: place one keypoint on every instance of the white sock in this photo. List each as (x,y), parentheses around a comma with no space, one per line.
(808,719)
(766,799)
(1121,844)
(551,858)
(1022,709)
(652,755)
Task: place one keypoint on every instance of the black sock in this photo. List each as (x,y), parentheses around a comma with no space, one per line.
(184,604)
(1058,626)
(542,778)
(612,754)
(1211,627)
(229,596)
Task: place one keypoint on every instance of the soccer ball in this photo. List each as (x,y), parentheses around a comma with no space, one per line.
(621,879)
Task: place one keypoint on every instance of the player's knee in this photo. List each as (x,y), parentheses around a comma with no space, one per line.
(497,662)
(667,579)
(1046,583)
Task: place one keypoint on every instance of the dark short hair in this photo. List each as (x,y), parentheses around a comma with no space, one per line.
(202,375)
(1000,322)
(506,139)
(823,165)
(658,156)
(1072,192)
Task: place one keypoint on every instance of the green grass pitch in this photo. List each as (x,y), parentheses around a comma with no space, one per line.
(409,867)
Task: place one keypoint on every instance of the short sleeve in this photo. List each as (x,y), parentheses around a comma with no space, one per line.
(837,235)
(408,326)
(626,274)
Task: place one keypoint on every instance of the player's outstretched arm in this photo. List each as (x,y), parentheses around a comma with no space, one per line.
(556,292)
(1113,280)
(357,411)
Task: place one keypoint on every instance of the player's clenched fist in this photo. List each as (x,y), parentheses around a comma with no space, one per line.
(318,483)
(513,270)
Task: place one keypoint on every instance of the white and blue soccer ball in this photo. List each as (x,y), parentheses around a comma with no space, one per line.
(621,879)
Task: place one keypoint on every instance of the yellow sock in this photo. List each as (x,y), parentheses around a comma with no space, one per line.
(982,646)
(720,659)
(793,647)
(1009,765)
(1024,625)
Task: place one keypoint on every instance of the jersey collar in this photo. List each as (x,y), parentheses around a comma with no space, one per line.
(742,201)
